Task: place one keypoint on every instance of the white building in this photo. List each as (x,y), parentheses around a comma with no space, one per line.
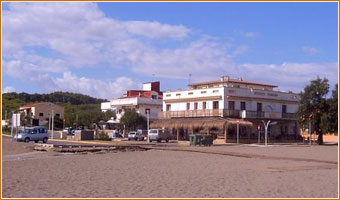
(142,101)
(229,98)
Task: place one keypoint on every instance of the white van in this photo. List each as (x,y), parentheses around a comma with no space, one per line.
(158,135)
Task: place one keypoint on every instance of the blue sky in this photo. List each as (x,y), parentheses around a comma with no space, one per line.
(103,49)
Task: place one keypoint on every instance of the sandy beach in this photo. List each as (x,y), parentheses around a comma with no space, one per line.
(172,172)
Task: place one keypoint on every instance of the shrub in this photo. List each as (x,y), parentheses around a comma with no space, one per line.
(101,135)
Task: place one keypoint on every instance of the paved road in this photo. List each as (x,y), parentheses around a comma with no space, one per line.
(57,142)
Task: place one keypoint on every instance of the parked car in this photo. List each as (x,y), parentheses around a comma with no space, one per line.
(69,130)
(35,134)
(136,135)
(116,134)
(158,135)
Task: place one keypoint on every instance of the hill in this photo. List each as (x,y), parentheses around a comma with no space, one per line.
(79,109)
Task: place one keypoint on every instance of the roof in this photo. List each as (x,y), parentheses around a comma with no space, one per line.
(36,104)
(212,122)
(232,81)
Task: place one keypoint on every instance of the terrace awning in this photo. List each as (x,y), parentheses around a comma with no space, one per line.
(200,123)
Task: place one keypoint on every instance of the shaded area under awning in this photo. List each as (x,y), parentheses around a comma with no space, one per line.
(198,123)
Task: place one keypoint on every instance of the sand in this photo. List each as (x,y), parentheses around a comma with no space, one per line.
(169,172)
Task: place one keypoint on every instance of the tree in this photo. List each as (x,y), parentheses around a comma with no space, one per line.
(333,109)
(313,105)
(108,115)
(329,119)
(132,120)
(25,120)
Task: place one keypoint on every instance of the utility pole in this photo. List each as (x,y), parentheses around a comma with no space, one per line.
(12,124)
(259,131)
(238,130)
(310,132)
(148,121)
(52,123)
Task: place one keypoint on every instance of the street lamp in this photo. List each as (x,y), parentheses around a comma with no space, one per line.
(148,122)
(266,125)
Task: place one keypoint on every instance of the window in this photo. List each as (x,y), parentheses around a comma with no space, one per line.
(57,115)
(231,91)
(168,107)
(41,114)
(178,94)
(147,110)
(259,107)
(195,105)
(154,96)
(204,105)
(190,93)
(203,92)
(215,91)
(231,105)
(243,105)
(188,106)
(168,95)
(42,130)
(215,104)
(284,108)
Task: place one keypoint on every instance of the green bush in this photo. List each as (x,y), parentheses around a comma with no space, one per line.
(6,130)
(101,135)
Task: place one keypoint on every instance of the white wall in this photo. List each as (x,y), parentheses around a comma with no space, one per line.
(233,93)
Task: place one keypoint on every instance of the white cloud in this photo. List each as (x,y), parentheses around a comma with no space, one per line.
(78,34)
(289,76)
(203,58)
(78,31)
(8,89)
(249,34)
(310,50)
(240,50)
(93,87)
(156,30)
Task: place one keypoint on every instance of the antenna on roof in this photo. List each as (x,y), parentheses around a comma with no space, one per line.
(189,78)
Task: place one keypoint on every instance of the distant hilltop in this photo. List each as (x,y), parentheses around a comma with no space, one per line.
(54,97)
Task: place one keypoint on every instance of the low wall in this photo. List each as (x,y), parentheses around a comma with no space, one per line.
(83,135)
(57,134)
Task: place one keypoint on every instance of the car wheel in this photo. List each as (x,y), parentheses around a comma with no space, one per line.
(36,141)
(27,139)
(44,140)
(129,139)
(166,140)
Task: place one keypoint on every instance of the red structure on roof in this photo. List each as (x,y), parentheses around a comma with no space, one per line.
(149,89)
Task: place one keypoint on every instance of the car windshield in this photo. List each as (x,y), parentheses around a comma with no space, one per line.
(153,131)
(132,133)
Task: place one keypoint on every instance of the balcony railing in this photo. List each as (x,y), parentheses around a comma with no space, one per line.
(226,113)
(289,115)
(192,113)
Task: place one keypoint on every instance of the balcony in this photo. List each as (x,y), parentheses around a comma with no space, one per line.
(225,113)
(192,113)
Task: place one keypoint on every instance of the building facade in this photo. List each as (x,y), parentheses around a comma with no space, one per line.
(40,112)
(236,99)
(149,100)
